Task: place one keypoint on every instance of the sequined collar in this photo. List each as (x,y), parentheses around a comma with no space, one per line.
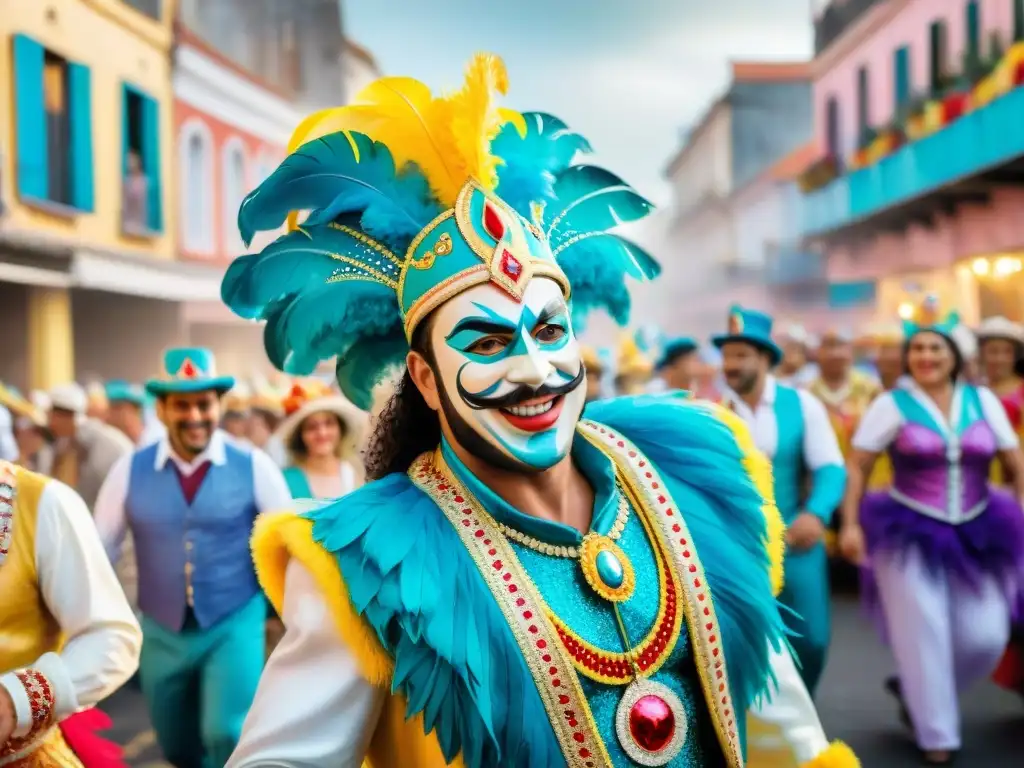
(597,468)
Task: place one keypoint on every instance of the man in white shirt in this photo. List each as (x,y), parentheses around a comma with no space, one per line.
(791,427)
(68,638)
(190,501)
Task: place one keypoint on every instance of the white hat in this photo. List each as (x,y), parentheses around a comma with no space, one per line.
(1000,328)
(69,397)
(964,339)
(794,332)
(354,420)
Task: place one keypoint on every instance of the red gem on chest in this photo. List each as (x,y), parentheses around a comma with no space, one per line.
(510,266)
(651,723)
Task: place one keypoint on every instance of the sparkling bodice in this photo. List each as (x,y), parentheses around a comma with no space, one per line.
(945,478)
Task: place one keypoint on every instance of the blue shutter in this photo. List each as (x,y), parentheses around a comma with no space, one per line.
(901,76)
(80,87)
(125,133)
(973,32)
(30,128)
(151,160)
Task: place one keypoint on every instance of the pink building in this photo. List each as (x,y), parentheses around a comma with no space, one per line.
(939,211)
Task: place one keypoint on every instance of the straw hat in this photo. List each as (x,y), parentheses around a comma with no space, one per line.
(19,407)
(1000,328)
(631,361)
(301,403)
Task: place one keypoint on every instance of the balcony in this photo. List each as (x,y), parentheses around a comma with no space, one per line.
(836,19)
(790,265)
(962,162)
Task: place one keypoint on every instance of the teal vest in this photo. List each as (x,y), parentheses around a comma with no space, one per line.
(788,468)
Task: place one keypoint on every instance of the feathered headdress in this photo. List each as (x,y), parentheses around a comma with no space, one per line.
(412,199)
(927,318)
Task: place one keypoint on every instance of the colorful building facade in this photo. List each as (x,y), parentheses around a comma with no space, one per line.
(86,175)
(920,180)
(708,257)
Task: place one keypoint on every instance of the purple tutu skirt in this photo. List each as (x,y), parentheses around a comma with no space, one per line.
(990,545)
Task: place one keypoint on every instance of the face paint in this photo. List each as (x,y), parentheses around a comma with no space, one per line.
(511,374)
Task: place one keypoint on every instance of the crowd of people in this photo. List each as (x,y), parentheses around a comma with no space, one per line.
(466,550)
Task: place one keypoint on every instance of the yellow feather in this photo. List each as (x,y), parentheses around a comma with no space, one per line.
(475,118)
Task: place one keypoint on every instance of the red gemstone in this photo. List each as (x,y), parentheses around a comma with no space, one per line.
(188,370)
(492,222)
(651,723)
(510,265)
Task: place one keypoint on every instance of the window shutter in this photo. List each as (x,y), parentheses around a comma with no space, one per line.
(151,160)
(30,126)
(901,75)
(80,86)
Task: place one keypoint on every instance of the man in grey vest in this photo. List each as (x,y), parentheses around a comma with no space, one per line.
(190,501)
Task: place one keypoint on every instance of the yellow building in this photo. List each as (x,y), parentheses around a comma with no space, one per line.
(86,146)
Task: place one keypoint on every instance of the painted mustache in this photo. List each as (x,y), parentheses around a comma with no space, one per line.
(519,394)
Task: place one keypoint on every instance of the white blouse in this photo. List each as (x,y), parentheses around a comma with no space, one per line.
(883,420)
(82,593)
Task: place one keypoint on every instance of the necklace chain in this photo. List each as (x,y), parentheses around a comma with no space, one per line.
(554,550)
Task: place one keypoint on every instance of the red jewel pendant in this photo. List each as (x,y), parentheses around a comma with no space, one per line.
(650,723)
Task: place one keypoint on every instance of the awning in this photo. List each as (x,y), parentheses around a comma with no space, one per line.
(152,278)
(24,275)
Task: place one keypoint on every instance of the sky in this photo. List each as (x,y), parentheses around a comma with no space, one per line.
(630,76)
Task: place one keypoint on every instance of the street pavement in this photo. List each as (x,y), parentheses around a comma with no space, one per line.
(852,704)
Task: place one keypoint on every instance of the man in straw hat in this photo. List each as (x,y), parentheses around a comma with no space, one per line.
(792,428)
(438,613)
(190,501)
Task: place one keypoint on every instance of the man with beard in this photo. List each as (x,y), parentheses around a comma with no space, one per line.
(792,428)
(189,502)
(516,586)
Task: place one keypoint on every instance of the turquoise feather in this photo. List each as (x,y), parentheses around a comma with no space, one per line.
(366,363)
(456,661)
(697,454)
(341,173)
(591,199)
(532,162)
(307,257)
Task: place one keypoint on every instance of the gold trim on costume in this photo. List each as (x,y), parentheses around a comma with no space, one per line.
(593,545)
(513,590)
(705,634)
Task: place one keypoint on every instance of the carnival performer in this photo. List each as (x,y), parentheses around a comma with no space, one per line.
(189,502)
(845,392)
(795,368)
(516,586)
(69,636)
(679,364)
(945,550)
(323,436)
(792,428)
(1001,349)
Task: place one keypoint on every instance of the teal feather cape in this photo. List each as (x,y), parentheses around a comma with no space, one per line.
(456,660)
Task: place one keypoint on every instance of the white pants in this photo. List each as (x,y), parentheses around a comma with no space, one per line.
(945,635)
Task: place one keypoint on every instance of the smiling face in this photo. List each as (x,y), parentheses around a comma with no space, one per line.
(511,378)
(930,358)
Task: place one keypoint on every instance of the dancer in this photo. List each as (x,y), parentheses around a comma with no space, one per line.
(323,437)
(792,428)
(943,545)
(516,586)
(189,502)
(1001,349)
(69,638)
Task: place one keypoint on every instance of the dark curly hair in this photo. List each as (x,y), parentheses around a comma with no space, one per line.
(407,426)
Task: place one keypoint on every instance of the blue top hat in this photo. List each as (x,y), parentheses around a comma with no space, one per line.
(752,327)
(673,349)
(189,369)
(119,391)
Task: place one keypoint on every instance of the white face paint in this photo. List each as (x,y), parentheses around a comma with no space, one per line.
(511,372)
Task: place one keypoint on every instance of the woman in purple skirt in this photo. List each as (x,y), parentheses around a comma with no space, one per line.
(944,551)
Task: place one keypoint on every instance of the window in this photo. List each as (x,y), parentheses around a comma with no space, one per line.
(832,137)
(53,127)
(901,77)
(863,102)
(1018,19)
(973,41)
(150,8)
(196,147)
(141,201)
(938,55)
(234,192)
